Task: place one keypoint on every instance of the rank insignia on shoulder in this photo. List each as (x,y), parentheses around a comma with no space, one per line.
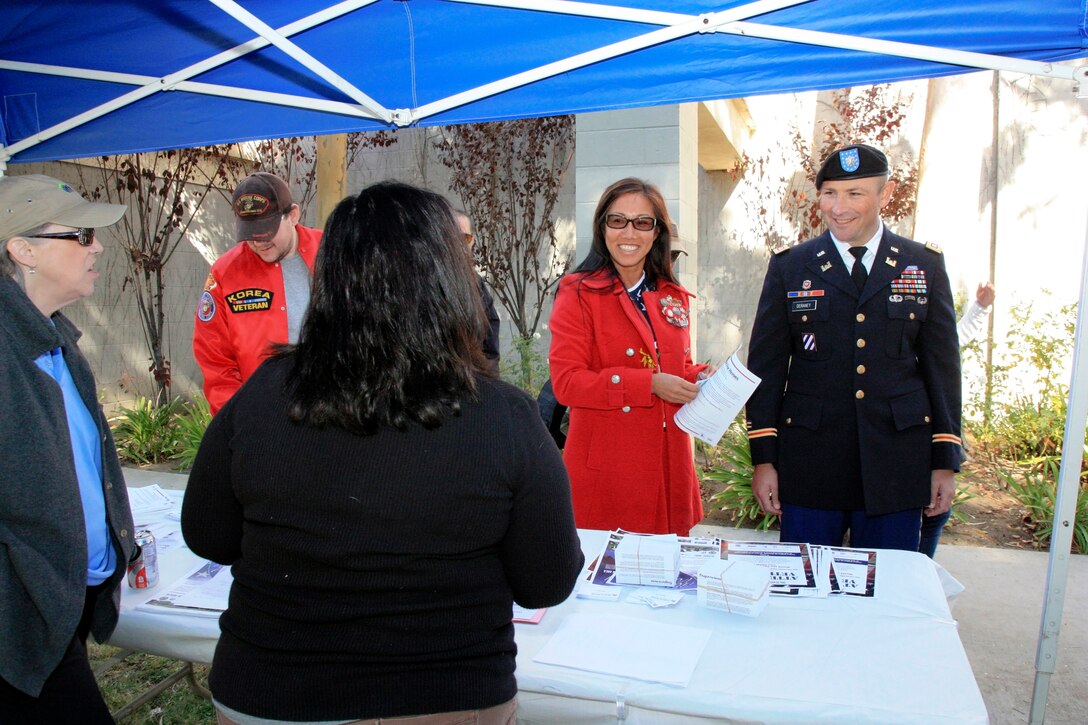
(780,249)
(933,247)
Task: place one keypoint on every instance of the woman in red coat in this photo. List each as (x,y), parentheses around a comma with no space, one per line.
(621,360)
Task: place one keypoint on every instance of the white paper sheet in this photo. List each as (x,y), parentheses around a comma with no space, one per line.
(720,398)
(148,500)
(626,647)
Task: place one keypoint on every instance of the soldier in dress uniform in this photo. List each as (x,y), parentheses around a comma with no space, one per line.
(856,423)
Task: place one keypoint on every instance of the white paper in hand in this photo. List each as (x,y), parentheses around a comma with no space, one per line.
(720,398)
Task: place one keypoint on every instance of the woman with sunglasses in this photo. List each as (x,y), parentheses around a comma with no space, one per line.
(65,524)
(382,497)
(621,361)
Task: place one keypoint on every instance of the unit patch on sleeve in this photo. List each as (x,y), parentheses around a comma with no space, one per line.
(250,300)
(205,309)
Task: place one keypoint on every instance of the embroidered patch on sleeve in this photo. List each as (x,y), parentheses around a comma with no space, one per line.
(205,309)
(250,300)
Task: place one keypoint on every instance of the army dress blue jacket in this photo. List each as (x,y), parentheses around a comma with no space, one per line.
(860,394)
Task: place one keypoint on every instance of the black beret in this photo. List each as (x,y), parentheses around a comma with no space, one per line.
(852,162)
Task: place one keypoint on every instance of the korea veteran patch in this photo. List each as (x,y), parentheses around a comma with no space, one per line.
(249,300)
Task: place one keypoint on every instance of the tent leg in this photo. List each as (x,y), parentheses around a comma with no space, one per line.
(1065,504)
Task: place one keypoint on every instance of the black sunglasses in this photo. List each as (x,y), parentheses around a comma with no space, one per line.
(642,223)
(85,236)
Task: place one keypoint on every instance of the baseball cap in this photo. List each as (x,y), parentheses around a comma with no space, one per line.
(852,162)
(31,200)
(259,202)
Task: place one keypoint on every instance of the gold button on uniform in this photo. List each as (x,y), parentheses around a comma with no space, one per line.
(860,394)
(861,342)
(912,315)
(804,318)
(861,369)
(860,317)
(927,418)
(789,420)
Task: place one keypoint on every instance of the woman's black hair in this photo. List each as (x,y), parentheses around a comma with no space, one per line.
(394,328)
(659,260)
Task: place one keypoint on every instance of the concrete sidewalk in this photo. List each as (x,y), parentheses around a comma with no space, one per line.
(999,615)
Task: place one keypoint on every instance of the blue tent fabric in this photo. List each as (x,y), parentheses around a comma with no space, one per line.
(405,54)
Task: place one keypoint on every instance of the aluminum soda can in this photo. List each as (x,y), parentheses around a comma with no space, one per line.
(143,568)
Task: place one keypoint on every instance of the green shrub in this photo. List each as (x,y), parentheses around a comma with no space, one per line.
(191,425)
(528,369)
(1036,492)
(733,468)
(145,433)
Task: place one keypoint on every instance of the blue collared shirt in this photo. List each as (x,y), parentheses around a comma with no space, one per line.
(87,454)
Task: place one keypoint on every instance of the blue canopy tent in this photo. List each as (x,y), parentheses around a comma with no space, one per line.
(80,78)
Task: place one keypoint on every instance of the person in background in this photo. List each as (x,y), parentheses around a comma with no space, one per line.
(856,423)
(65,524)
(491,338)
(382,496)
(621,361)
(966,329)
(257,292)
(974,318)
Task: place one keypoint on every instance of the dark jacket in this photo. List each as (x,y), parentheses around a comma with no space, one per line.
(43,541)
(388,562)
(491,339)
(860,398)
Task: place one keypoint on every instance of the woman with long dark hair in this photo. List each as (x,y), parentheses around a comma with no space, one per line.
(621,361)
(382,498)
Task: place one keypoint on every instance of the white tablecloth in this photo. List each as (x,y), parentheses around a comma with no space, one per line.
(893,659)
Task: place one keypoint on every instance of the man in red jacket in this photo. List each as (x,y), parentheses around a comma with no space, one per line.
(257,293)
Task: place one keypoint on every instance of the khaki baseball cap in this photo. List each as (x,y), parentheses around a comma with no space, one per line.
(259,203)
(29,201)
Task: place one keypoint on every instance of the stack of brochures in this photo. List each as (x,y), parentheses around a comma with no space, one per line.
(734,586)
(648,560)
(795,570)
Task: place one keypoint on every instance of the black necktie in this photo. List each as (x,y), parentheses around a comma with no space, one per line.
(857,272)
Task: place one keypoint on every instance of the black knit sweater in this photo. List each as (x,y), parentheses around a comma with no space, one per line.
(374,576)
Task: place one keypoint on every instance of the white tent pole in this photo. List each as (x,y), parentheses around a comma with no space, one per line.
(963,58)
(330,76)
(171,81)
(1065,505)
(793,35)
(677,26)
(207,89)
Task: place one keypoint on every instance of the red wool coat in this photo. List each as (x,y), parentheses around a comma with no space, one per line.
(630,466)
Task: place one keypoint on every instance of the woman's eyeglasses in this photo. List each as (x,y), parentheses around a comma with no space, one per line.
(619,221)
(84,236)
